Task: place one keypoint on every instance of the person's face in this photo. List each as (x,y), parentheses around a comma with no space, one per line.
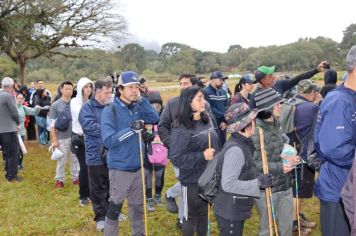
(67,91)
(276,111)
(20,99)
(87,90)
(103,95)
(32,85)
(130,93)
(268,81)
(198,103)
(40,84)
(185,83)
(218,83)
(204,81)
(248,87)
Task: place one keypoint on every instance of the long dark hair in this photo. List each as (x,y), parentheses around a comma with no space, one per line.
(185,113)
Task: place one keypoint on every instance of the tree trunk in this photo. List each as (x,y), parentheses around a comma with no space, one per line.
(21,62)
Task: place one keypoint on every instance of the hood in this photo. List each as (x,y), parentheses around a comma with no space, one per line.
(330,77)
(81,83)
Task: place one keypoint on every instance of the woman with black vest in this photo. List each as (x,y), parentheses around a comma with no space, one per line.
(239,181)
(189,151)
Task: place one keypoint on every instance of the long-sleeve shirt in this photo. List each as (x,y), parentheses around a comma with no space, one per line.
(8,113)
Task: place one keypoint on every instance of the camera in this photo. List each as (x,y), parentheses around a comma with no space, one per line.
(138,125)
(327,66)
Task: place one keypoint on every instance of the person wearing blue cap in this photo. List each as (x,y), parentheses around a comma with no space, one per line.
(265,78)
(121,123)
(217,97)
(243,89)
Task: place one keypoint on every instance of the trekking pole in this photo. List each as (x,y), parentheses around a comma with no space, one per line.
(209,206)
(297,196)
(143,183)
(270,210)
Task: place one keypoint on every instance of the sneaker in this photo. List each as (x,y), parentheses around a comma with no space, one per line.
(158,199)
(171,204)
(100,225)
(306,223)
(75,181)
(59,184)
(84,202)
(122,217)
(15,179)
(150,203)
(179,224)
(20,167)
(303,231)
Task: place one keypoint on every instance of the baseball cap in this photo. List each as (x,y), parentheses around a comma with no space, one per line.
(308,86)
(217,75)
(248,78)
(262,71)
(127,78)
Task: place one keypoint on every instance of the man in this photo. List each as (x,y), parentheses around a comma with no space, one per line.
(121,123)
(61,136)
(144,91)
(217,97)
(265,79)
(168,115)
(306,111)
(89,119)
(9,126)
(335,141)
(40,85)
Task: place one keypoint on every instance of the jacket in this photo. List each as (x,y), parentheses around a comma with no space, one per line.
(77,103)
(218,100)
(274,146)
(187,147)
(119,136)
(89,119)
(335,141)
(8,113)
(25,111)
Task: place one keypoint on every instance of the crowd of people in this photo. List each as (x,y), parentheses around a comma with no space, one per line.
(280,141)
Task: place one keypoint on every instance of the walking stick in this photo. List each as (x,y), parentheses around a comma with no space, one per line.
(297,195)
(209,206)
(270,210)
(143,183)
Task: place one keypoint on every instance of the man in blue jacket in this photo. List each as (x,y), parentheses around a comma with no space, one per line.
(217,97)
(335,141)
(89,118)
(121,123)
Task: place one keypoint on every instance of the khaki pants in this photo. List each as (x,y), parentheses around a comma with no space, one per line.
(64,147)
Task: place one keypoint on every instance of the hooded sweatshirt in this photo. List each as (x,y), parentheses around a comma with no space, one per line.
(330,79)
(77,103)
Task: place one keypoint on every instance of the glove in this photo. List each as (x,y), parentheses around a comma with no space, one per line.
(147,137)
(265,180)
(138,125)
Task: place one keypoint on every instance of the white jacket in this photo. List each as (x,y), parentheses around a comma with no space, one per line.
(77,103)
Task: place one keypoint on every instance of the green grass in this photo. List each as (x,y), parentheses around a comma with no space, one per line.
(35,207)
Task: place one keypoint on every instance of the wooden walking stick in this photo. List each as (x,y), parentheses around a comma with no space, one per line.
(143,184)
(297,195)
(209,206)
(270,210)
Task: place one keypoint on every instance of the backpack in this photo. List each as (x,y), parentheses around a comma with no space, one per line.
(313,160)
(287,122)
(64,119)
(157,153)
(209,183)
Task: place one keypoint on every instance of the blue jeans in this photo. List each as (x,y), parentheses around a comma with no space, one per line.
(42,130)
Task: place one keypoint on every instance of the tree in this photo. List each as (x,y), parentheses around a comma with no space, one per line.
(169,49)
(234,47)
(133,57)
(32,28)
(349,38)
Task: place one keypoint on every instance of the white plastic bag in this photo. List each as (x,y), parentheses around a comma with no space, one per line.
(56,153)
(22,145)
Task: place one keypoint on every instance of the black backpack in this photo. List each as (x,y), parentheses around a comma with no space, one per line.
(64,119)
(209,183)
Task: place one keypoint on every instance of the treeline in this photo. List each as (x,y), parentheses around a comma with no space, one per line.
(175,58)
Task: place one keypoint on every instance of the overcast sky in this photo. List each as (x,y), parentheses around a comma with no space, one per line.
(214,25)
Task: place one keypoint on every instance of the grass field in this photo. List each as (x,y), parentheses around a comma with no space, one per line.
(35,207)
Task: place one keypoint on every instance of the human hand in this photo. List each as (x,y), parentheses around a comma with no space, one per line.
(138,125)
(265,180)
(321,66)
(209,154)
(55,144)
(223,126)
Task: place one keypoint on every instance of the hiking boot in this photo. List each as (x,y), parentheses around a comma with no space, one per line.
(303,231)
(75,181)
(179,224)
(84,202)
(100,225)
(15,179)
(158,199)
(59,184)
(171,205)
(122,217)
(150,204)
(305,222)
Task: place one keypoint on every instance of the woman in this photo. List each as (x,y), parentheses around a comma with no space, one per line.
(85,91)
(239,180)
(268,103)
(23,112)
(43,100)
(243,89)
(190,152)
